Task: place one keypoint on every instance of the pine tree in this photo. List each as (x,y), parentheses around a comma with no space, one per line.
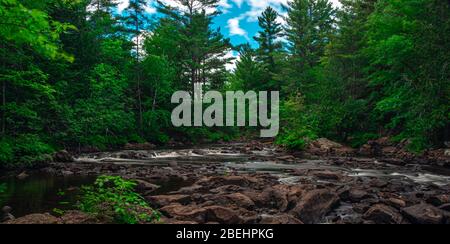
(136,21)
(268,38)
(203,58)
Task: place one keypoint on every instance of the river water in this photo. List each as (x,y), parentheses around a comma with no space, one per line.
(43,193)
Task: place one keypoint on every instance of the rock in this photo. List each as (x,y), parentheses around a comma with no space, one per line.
(287,158)
(241,200)
(76,218)
(164,200)
(67,173)
(222,215)
(328,175)
(396,203)
(145,187)
(445,207)
(139,146)
(63,157)
(447,153)
(270,198)
(34,219)
(424,214)
(438,200)
(202,215)
(173,164)
(314,205)
(357,195)
(382,214)
(22,176)
(6,214)
(279,219)
(214,182)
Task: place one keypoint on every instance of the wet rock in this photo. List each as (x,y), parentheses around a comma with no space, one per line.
(214,182)
(240,200)
(63,157)
(438,200)
(445,207)
(382,214)
(145,187)
(22,176)
(314,205)
(269,198)
(287,158)
(424,214)
(76,218)
(164,200)
(6,214)
(324,146)
(328,175)
(66,173)
(357,195)
(202,215)
(34,219)
(139,146)
(396,203)
(279,219)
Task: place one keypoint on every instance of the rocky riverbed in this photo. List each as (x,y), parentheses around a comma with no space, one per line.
(258,183)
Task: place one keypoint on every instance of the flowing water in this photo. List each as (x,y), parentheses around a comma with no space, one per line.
(44,193)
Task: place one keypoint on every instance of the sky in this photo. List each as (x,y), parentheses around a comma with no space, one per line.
(239,18)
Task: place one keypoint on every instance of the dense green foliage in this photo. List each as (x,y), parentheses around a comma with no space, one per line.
(113,197)
(75,74)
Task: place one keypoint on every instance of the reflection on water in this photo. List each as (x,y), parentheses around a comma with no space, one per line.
(41,193)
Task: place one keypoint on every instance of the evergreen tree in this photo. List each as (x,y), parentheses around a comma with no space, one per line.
(136,21)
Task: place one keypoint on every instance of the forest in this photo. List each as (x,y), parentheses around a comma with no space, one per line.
(75,74)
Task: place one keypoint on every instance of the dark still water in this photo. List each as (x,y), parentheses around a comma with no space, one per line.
(41,193)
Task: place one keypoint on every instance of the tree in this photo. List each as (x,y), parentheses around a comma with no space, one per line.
(269,39)
(136,20)
(310,25)
(204,49)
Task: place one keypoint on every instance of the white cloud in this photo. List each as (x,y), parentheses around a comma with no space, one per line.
(235,28)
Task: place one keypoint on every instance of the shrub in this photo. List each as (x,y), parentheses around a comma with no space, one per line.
(113,197)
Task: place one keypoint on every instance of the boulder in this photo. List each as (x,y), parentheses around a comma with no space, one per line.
(438,200)
(22,176)
(240,200)
(6,214)
(396,203)
(63,157)
(139,146)
(283,219)
(164,200)
(76,218)
(357,195)
(424,214)
(382,214)
(202,215)
(34,219)
(314,205)
(145,187)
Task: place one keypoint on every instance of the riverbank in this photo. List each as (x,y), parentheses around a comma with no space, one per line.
(258,183)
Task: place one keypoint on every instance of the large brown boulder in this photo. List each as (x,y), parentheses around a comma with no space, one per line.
(45,219)
(324,146)
(382,214)
(314,205)
(164,200)
(202,215)
(424,214)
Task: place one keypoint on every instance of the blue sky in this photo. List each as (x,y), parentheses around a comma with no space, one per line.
(239,19)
